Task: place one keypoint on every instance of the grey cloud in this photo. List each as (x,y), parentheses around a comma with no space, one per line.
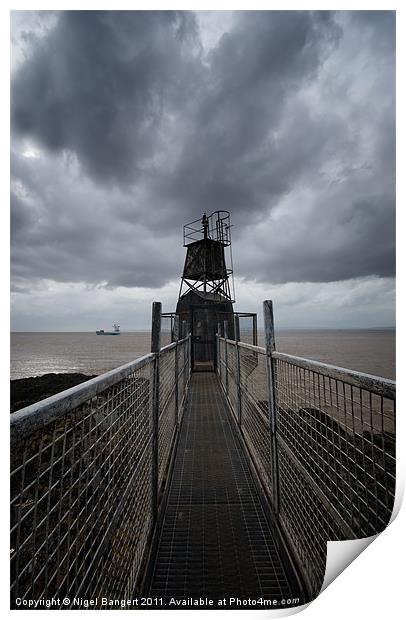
(287,104)
(232,156)
(359,239)
(98,85)
(73,235)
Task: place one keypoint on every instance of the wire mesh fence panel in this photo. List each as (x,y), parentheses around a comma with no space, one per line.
(306,522)
(345,437)
(167,427)
(166,375)
(248,328)
(254,412)
(82,483)
(180,379)
(255,430)
(183,373)
(334,450)
(70,482)
(116,574)
(253,375)
(222,362)
(167,329)
(167,417)
(232,377)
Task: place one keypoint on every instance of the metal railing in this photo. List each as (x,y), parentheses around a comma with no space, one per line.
(322,440)
(88,469)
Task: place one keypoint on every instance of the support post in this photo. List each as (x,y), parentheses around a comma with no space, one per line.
(237,328)
(272,409)
(176,338)
(238,369)
(255,330)
(218,349)
(226,352)
(189,353)
(155,348)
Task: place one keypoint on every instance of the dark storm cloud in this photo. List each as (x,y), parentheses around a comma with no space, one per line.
(233,156)
(97,86)
(142,131)
(358,239)
(63,229)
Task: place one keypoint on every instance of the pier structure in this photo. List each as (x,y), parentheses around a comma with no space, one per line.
(198,476)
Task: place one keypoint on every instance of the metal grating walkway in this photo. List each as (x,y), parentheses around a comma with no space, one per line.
(215,539)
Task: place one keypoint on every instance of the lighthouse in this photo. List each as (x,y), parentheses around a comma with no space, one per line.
(206,293)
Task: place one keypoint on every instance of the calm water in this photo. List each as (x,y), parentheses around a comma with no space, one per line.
(38,353)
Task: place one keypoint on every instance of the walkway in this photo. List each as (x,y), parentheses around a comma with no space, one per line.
(215,540)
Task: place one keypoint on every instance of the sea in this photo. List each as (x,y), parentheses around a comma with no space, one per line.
(37,353)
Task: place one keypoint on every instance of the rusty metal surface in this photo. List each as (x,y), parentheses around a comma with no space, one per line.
(215,540)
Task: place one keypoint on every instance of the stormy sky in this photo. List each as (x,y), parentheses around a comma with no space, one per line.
(126,125)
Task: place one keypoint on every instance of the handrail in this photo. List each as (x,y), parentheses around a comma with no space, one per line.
(321,440)
(38,415)
(372,383)
(89,471)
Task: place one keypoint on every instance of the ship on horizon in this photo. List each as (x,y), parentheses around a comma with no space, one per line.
(115,332)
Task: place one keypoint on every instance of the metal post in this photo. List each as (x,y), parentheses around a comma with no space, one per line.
(176,338)
(272,409)
(187,334)
(190,353)
(238,369)
(255,330)
(184,334)
(237,328)
(155,348)
(218,349)
(176,328)
(156,327)
(225,352)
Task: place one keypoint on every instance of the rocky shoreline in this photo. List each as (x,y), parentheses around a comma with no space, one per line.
(24,392)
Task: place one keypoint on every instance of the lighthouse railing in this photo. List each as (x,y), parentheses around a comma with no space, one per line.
(322,442)
(82,483)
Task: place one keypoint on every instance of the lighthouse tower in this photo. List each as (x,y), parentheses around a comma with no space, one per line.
(206,293)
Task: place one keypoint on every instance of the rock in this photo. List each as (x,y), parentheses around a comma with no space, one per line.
(24,392)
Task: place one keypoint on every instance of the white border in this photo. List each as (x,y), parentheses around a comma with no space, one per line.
(372,586)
